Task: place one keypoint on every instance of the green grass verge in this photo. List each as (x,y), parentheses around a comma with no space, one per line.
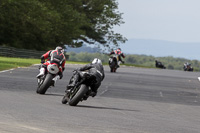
(139,66)
(10,62)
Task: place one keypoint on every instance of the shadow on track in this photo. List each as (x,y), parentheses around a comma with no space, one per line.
(109,108)
(54,94)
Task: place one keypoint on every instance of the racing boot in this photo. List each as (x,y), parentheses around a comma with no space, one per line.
(66,97)
(87,95)
(53,83)
(54,80)
(42,72)
(93,93)
(67,92)
(118,64)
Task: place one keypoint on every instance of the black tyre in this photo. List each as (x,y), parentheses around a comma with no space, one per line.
(47,82)
(112,66)
(78,96)
(111,70)
(40,82)
(64,100)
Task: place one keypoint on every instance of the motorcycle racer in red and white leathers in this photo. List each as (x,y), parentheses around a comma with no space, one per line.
(53,56)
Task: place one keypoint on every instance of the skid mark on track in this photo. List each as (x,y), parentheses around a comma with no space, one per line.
(103,92)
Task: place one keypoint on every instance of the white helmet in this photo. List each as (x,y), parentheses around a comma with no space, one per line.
(97,61)
(58,48)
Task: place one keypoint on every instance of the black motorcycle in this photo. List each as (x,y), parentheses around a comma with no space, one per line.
(187,67)
(113,62)
(81,91)
(159,64)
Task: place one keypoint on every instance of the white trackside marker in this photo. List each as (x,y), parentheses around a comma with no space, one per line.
(199,78)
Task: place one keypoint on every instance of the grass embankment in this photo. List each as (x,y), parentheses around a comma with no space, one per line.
(134,65)
(10,62)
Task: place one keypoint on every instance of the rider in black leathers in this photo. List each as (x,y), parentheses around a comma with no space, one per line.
(94,69)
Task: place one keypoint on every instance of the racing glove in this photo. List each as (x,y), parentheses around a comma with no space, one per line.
(42,60)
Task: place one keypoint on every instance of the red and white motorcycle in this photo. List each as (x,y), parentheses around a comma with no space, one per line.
(49,78)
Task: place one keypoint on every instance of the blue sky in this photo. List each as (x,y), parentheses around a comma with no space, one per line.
(170,20)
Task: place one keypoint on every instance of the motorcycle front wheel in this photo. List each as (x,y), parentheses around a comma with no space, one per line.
(45,85)
(113,67)
(79,94)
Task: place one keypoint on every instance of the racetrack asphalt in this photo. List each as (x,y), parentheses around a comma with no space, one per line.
(132,100)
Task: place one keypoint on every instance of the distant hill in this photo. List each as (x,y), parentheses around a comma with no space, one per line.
(157,48)
(84,48)
(161,48)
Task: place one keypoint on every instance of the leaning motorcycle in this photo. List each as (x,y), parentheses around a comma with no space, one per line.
(188,67)
(159,64)
(113,62)
(81,91)
(48,79)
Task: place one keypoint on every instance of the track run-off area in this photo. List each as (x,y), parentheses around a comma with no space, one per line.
(132,100)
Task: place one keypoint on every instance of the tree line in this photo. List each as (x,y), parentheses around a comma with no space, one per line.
(45,24)
(170,62)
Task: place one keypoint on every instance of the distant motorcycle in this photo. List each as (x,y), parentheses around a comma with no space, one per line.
(159,64)
(113,62)
(81,91)
(49,78)
(187,67)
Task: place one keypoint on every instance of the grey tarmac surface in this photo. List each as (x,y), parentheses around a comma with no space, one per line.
(133,100)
